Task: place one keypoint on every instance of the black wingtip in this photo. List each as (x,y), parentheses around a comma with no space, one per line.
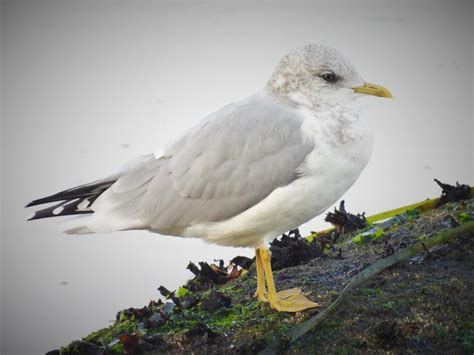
(30,204)
(48,199)
(68,201)
(31,217)
(63,208)
(87,190)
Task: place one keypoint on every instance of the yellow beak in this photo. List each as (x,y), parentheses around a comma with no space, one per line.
(373,89)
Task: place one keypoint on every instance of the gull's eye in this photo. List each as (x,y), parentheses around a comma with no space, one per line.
(329,77)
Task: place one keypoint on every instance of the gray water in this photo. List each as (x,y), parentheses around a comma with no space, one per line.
(85,87)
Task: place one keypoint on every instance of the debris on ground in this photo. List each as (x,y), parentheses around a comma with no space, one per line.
(208,275)
(292,250)
(452,193)
(345,222)
(243,262)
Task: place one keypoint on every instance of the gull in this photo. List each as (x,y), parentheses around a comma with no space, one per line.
(246,173)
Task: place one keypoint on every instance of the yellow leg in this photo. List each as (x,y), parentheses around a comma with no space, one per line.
(285,301)
(261,292)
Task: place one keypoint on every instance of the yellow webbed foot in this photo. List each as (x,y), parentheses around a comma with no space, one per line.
(288,293)
(291,301)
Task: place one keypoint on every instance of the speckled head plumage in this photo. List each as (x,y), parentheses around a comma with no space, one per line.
(313,74)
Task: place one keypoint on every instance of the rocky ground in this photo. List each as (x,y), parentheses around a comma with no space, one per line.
(423,305)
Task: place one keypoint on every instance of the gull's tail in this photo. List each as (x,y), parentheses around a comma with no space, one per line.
(75,201)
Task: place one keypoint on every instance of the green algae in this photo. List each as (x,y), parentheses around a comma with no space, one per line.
(182,291)
(366,237)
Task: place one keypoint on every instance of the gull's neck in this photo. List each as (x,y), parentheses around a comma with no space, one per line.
(335,120)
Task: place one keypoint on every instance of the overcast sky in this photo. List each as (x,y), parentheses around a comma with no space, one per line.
(88,85)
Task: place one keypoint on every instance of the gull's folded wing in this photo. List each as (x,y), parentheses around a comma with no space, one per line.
(226,164)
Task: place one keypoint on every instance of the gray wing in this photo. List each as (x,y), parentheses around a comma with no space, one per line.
(227,164)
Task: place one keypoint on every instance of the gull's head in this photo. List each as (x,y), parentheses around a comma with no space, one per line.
(316,75)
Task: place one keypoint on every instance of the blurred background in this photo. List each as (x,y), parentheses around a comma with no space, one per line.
(88,85)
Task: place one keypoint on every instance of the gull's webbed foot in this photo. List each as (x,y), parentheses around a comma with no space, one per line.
(291,300)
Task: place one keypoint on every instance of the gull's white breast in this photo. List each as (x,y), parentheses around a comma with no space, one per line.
(343,144)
